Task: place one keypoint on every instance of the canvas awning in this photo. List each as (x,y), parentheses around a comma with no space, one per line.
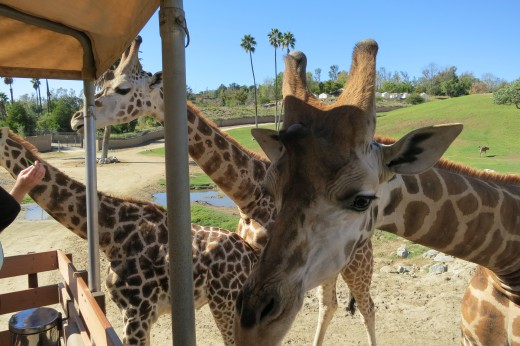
(28,50)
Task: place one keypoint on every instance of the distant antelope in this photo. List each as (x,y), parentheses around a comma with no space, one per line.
(482,150)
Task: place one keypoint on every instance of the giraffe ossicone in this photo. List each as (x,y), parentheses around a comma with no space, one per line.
(133,235)
(129,92)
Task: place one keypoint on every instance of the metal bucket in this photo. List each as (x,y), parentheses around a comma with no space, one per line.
(35,327)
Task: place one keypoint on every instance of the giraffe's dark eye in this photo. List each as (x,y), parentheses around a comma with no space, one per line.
(361,203)
(122,91)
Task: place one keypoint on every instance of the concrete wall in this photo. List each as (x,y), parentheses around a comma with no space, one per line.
(43,143)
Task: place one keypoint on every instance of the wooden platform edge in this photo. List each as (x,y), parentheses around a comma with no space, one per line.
(101,331)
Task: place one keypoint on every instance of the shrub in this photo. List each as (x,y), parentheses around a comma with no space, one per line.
(414,99)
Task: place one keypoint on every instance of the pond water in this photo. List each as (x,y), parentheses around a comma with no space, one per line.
(33,211)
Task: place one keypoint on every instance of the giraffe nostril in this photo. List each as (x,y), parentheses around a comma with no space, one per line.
(267,309)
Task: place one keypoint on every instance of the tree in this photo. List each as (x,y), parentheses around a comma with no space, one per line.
(9,81)
(508,95)
(492,83)
(3,106)
(317,73)
(49,105)
(58,119)
(275,39)
(249,44)
(20,120)
(36,85)
(333,72)
(288,41)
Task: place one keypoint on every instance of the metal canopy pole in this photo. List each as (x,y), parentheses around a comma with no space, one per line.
(91,184)
(172,26)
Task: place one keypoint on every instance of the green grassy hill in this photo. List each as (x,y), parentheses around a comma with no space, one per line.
(485,123)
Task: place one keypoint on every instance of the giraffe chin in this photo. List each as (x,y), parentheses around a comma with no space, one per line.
(261,319)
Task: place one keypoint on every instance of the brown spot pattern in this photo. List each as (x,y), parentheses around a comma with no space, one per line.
(411,184)
(414,216)
(396,197)
(455,184)
(468,204)
(442,228)
(491,329)
(430,183)
(488,197)
(509,213)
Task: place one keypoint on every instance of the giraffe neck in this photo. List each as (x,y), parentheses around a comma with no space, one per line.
(472,218)
(65,200)
(237,171)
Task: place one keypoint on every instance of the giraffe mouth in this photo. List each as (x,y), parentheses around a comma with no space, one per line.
(79,129)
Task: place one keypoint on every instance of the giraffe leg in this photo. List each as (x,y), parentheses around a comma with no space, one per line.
(328,305)
(358,276)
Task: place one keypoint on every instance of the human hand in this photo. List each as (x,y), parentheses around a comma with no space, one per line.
(27,179)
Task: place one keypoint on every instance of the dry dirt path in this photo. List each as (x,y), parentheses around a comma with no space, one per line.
(418,309)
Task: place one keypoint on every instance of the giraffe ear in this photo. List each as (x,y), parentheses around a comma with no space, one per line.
(269,142)
(420,149)
(156,80)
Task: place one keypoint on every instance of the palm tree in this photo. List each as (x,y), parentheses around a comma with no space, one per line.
(275,39)
(249,44)
(9,81)
(36,85)
(288,41)
(49,105)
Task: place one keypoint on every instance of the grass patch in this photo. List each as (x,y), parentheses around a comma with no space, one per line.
(203,215)
(198,181)
(154,152)
(243,136)
(485,123)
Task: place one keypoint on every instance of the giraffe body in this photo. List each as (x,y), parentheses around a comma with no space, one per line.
(333,184)
(129,92)
(133,235)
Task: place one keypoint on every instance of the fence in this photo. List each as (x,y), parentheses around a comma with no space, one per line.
(72,139)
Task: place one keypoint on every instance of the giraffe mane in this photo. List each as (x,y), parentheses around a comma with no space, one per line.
(459,168)
(32,149)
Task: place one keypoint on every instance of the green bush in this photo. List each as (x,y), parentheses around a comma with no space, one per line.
(414,99)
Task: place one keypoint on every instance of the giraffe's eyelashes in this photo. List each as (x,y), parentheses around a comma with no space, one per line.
(122,91)
(359,203)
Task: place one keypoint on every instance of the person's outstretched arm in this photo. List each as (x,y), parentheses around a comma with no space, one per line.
(27,179)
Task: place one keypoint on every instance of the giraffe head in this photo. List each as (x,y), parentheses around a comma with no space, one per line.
(325,176)
(126,93)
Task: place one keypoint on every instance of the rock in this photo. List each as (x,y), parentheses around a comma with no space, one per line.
(430,254)
(438,268)
(404,269)
(443,258)
(109,159)
(402,252)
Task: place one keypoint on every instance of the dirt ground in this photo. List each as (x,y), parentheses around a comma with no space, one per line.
(412,309)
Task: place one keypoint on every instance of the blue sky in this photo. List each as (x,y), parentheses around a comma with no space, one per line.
(475,36)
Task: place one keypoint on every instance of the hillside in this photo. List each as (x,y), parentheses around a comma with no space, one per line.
(485,123)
